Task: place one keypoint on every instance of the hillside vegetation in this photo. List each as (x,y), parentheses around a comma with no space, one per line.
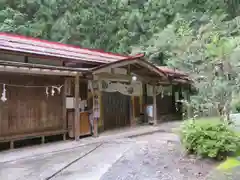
(200,37)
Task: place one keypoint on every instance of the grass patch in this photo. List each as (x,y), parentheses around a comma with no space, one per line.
(231,162)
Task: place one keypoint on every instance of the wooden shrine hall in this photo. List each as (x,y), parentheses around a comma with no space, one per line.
(49,89)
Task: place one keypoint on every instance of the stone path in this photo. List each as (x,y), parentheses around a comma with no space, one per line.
(86,163)
(53,148)
(154,158)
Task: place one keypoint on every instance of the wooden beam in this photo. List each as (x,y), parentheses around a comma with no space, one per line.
(123,77)
(30,135)
(104,75)
(45,57)
(154,105)
(141,71)
(27,70)
(77,112)
(42,66)
(116,65)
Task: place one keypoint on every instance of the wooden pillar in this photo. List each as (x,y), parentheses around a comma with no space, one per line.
(77,112)
(95,119)
(101,107)
(43,139)
(133,107)
(189,107)
(131,110)
(180,107)
(154,105)
(95,127)
(64,115)
(144,102)
(11,144)
(64,110)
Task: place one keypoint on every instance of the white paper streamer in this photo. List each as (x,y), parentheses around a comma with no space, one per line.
(4,97)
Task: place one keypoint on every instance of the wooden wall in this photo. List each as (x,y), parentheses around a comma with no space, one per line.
(166,109)
(29,110)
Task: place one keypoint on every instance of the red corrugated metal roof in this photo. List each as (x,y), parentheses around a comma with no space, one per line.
(172,71)
(176,74)
(29,45)
(36,46)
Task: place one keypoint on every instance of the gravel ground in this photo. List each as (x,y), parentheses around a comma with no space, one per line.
(153,158)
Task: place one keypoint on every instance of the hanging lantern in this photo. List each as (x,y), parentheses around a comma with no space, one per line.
(134,78)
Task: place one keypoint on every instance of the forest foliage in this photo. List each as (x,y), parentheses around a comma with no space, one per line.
(201,37)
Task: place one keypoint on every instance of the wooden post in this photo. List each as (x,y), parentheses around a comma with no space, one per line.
(12,144)
(64,115)
(144,102)
(189,107)
(100,104)
(95,119)
(43,139)
(180,107)
(77,112)
(133,106)
(95,126)
(154,105)
(132,110)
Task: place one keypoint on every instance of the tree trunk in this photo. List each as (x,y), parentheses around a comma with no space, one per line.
(220,109)
(227,111)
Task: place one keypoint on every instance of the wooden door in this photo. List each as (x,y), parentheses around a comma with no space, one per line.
(136,106)
(116,110)
(85,127)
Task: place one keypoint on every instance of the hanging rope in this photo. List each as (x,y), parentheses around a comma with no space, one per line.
(4,97)
(29,86)
(53,89)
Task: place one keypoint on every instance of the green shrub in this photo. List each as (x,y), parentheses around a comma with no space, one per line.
(235,106)
(212,139)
